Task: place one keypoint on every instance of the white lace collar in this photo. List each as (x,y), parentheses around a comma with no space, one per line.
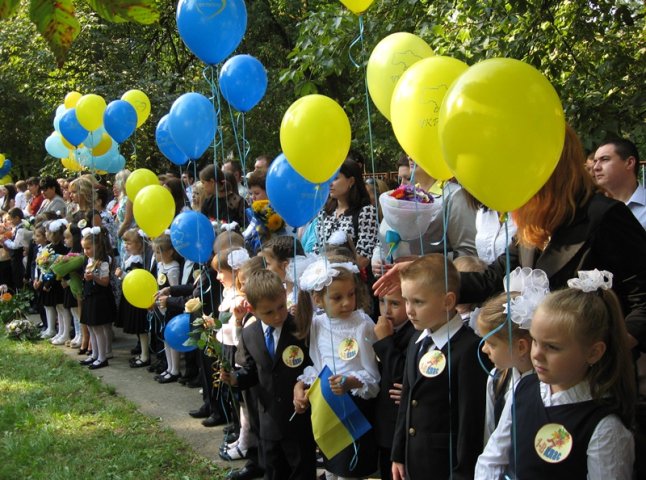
(133,259)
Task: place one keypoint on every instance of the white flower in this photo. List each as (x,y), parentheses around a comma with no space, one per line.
(591,280)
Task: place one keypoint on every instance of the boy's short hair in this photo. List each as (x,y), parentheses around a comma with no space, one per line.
(430,270)
(261,285)
(16,212)
(21,185)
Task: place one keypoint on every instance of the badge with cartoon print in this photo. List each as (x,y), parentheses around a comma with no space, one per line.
(432,363)
(348,349)
(161,279)
(293,356)
(553,443)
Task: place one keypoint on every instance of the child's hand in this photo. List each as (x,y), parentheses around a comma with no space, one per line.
(162,300)
(164,291)
(341,384)
(228,377)
(395,393)
(398,471)
(292,310)
(118,272)
(240,310)
(37,284)
(384,328)
(301,402)
(88,276)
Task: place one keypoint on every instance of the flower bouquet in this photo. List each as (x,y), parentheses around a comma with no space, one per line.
(409,210)
(70,266)
(45,260)
(22,330)
(264,222)
(15,306)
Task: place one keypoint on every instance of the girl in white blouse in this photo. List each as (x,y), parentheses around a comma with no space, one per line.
(571,419)
(341,337)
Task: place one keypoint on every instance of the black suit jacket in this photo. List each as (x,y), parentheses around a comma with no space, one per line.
(391,352)
(605,235)
(425,421)
(275,381)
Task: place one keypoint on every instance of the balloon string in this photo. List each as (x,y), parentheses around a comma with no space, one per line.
(134,149)
(235,133)
(217,138)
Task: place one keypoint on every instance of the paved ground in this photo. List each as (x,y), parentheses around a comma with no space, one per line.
(168,402)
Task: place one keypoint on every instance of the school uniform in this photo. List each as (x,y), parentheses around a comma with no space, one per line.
(133,320)
(430,421)
(391,352)
(98,306)
(288,446)
(52,290)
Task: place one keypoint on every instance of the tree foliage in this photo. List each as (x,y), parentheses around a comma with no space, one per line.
(592,52)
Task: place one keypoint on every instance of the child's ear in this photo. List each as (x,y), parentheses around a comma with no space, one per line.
(524,346)
(318,299)
(595,352)
(450,300)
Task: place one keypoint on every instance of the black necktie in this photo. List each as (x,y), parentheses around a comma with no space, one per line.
(423,349)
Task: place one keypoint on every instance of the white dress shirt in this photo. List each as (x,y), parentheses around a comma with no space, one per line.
(637,204)
(491,239)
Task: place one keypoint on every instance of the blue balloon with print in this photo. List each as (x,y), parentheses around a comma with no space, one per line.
(211,29)
(191,123)
(243,81)
(295,199)
(166,144)
(120,120)
(71,129)
(176,332)
(192,235)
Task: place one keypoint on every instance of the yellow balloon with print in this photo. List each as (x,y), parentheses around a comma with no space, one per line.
(71,99)
(357,6)
(154,209)
(415,111)
(502,130)
(140,178)
(388,61)
(140,101)
(315,137)
(89,111)
(103,146)
(139,287)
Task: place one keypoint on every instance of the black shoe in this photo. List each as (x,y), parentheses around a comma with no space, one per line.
(201,412)
(139,363)
(87,361)
(230,438)
(168,378)
(248,472)
(95,366)
(213,421)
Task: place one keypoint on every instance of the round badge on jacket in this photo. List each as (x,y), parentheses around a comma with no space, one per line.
(293,356)
(553,443)
(161,279)
(348,349)
(432,363)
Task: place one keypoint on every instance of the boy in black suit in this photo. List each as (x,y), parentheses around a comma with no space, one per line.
(273,359)
(439,430)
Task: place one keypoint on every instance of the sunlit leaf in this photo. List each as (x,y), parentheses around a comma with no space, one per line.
(144,12)
(56,22)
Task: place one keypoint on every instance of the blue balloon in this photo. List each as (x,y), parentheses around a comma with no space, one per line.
(191,234)
(167,145)
(94,137)
(211,30)
(6,167)
(176,332)
(120,120)
(295,199)
(71,129)
(103,162)
(191,123)
(243,81)
(115,164)
(54,146)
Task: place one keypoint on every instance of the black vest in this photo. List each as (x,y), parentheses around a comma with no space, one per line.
(579,419)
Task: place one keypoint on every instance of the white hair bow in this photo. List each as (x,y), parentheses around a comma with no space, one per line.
(591,280)
(142,234)
(321,273)
(56,225)
(533,286)
(237,258)
(90,231)
(229,227)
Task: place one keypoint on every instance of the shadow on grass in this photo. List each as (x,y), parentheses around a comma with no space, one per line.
(60,422)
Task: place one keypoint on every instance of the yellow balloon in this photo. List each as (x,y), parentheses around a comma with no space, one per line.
(388,61)
(415,109)
(357,6)
(140,178)
(154,209)
(140,101)
(71,164)
(139,287)
(502,130)
(68,144)
(89,111)
(315,137)
(2,159)
(71,99)
(6,179)
(103,146)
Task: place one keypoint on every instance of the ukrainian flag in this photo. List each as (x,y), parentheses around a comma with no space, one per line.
(336,420)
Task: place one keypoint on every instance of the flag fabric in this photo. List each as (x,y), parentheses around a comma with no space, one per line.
(336,420)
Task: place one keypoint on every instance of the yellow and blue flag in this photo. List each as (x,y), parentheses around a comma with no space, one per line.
(336,420)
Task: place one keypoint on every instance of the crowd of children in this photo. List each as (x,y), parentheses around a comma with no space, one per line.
(558,402)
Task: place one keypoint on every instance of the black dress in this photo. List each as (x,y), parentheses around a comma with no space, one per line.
(133,319)
(52,290)
(98,307)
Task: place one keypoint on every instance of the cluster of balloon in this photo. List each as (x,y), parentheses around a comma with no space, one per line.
(211,30)
(502,129)
(5,167)
(315,137)
(286,189)
(87,132)
(188,129)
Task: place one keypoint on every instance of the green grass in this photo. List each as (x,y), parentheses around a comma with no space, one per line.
(59,422)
